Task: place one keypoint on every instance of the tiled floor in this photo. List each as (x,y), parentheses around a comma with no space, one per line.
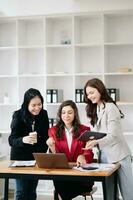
(50,197)
(42,197)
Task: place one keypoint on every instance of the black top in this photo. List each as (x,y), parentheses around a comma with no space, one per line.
(19,129)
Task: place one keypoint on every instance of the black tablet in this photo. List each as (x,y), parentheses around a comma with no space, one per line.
(91,135)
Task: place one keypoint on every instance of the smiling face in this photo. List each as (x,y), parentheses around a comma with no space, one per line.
(35,106)
(93,95)
(67,116)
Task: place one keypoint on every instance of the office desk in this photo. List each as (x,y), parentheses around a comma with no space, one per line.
(7,172)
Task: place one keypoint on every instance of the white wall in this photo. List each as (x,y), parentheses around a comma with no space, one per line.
(40,7)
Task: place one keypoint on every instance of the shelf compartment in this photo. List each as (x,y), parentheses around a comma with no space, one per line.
(8,93)
(31,61)
(8,66)
(59,60)
(80,81)
(30,32)
(115,58)
(120,82)
(7,33)
(52,110)
(58,30)
(62,83)
(30,82)
(88,60)
(88,29)
(118,28)
(5,117)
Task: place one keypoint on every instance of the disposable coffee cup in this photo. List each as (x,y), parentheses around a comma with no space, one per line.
(34,135)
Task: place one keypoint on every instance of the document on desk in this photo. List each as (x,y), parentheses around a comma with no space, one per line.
(95,167)
(25,163)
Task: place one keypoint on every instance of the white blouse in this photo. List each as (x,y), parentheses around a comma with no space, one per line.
(69,137)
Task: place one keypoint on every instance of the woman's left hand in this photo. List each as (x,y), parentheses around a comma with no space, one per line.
(90,144)
(81,160)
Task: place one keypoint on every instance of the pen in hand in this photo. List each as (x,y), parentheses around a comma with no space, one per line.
(78,164)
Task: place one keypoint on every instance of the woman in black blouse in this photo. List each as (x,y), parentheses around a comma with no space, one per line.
(29,132)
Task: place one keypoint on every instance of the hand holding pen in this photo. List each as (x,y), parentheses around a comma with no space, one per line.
(81,161)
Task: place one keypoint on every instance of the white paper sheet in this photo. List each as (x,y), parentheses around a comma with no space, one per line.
(100,166)
(27,163)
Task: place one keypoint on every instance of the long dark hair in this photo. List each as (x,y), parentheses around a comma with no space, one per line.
(91,108)
(60,123)
(28,96)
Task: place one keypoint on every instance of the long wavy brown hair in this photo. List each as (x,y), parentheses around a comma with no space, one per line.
(76,122)
(91,108)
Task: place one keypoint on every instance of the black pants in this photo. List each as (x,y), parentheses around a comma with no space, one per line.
(26,189)
(70,189)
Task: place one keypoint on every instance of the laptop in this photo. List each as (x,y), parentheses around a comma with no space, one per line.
(52,160)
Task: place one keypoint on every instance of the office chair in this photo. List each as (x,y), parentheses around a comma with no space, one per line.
(84,194)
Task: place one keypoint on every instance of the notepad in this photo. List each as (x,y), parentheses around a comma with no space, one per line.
(27,163)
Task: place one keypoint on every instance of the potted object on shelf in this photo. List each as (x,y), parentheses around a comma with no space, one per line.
(6,98)
(65,39)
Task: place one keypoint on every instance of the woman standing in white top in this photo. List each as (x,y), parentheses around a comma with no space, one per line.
(105,116)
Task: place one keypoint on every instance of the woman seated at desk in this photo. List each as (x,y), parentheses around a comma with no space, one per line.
(63,139)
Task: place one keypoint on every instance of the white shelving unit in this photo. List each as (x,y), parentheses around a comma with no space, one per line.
(63,52)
